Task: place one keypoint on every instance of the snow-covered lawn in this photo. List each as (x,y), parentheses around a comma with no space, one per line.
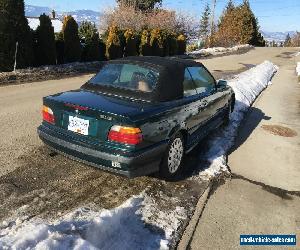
(219,50)
(138,223)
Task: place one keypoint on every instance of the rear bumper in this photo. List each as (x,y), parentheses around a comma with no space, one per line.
(131,166)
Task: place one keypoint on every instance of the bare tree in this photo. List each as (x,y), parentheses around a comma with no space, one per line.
(128,17)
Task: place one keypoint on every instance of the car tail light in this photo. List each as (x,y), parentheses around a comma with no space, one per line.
(126,135)
(48,115)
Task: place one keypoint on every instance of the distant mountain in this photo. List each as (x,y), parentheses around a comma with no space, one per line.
(276,36)
(84,15)
(79,15)
(35,11)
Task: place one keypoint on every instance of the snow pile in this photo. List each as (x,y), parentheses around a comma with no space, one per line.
(129,226)
(298,69)
(219,50)
(247,86)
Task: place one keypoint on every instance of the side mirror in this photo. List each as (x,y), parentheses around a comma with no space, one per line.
(221,83)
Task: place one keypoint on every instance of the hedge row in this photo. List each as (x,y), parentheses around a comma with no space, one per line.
(154,42)
(75,44)
(81,43)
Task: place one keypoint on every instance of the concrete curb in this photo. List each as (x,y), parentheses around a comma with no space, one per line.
(189,230)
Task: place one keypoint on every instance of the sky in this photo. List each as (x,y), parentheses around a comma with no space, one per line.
(273,15)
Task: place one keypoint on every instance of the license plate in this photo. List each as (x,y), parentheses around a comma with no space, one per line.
(78,125)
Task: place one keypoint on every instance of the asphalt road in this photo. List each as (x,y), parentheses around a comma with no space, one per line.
(20,114)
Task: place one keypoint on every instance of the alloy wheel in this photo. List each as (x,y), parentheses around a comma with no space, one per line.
(175,155)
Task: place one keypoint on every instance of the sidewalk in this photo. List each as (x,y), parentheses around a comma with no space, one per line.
(263,197)
(239,207)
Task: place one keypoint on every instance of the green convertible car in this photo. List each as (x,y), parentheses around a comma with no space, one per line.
(137,116)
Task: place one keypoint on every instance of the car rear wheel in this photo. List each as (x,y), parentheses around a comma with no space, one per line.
(171,166)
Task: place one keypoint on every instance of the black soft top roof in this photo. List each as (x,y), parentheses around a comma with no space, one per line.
(171,75)
(160,61)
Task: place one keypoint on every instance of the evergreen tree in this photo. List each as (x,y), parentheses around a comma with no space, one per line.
(113,44)
(7,38)
(145,48)
(24,35)
(227,11)
(181,41)
(157,42)
(227,27)
(130,43)
(25,55)
(60,47)
(230,6)
(72,46)
(251,24)
(238,25)
(260,41)
(173,45)
(204,24)
(247,27)
(89,34)
(288,41)
(166,43)
(45,42)
(14,28)
(87,30)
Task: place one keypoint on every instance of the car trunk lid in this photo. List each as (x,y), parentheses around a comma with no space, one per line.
(93,112)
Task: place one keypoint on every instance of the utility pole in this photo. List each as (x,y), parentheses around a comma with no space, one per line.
(212,21)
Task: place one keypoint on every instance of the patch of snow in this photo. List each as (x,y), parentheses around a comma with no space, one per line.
(219,50)
(247,86)
(129,226)
(33,22)
(297,54)
(298,69)
(57,25)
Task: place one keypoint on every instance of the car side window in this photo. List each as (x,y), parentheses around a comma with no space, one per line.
(188,84)
(203,80)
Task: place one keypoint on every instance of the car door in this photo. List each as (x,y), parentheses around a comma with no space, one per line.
(193,109)
(210,100)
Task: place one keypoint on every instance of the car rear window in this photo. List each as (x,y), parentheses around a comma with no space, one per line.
(126,76)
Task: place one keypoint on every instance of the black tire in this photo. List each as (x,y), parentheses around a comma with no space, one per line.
(170,169)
